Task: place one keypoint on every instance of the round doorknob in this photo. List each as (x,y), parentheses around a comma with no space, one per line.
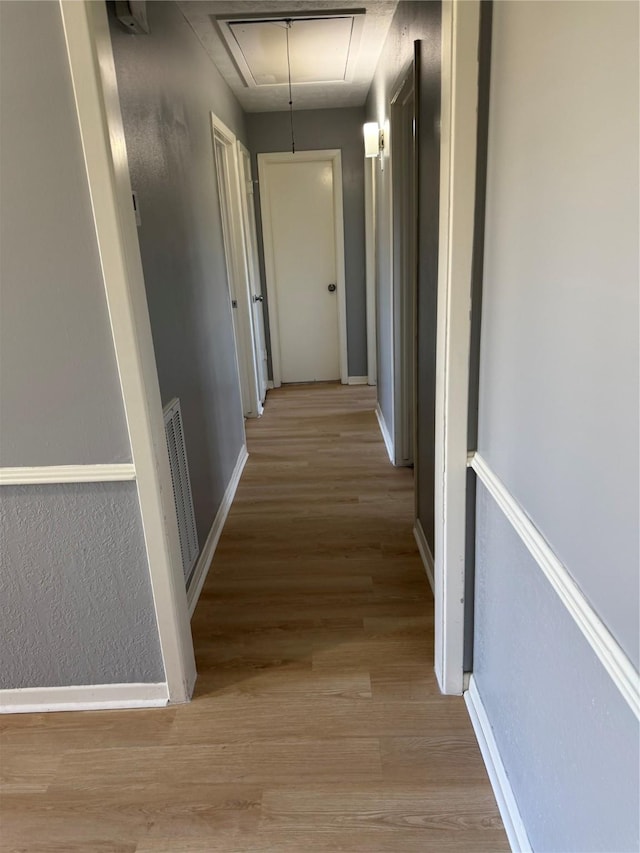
(258,297)
(331,288)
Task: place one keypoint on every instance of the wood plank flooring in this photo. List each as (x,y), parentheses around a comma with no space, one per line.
(316,724)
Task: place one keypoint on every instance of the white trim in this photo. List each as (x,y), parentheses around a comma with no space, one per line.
(403,275)
(358,380)
(334,155)
(270,385)
(89,697)
(370,265)
(460,34)
(236,259)
(609,652)
(509,812)
(247,201)
(385,432)
(425,551)
(93,75)
(67,474)
(201,570)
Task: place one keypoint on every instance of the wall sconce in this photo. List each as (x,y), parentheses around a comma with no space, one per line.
(374,141)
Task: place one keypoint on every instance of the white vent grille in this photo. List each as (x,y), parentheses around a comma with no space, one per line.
(181,486)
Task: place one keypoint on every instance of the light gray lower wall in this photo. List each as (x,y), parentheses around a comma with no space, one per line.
(318,129)
(76,598)
(412,21)
(168,88)
(567,738)
(61,401)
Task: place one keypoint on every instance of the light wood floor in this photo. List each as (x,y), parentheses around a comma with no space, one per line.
(316,724)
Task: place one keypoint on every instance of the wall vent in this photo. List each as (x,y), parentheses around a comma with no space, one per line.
(181,486)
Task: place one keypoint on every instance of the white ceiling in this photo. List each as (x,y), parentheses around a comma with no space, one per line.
(311,59)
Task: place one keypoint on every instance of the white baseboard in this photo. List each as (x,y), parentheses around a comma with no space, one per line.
(385,432)
(425,552)
(270,385)
(357,380)
(201,570)
(509,812)
(85,697)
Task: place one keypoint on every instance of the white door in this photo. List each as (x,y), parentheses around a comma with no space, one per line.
(255,287)
(230,197)
(306,284)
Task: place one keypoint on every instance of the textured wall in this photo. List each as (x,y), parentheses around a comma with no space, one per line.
(558,411)
(61,402)
(168,88)
(567,738)
(412,21)
(316,129)
(76,597)
(558,418)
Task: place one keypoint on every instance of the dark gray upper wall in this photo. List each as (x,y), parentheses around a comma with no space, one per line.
(168,88)
(318,129)
(558,415)
(61,400)
(411,22)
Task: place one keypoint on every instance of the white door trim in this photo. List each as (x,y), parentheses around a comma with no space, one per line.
(370,269)
(334,156)
(237,269)
(460,33)
(96,93)
(403,309)
(247,205)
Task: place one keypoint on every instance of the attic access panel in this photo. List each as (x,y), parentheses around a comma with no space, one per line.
(322,48)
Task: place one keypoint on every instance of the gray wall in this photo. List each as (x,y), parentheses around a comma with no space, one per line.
(76,607)
(75,594)
(412,21)
(61,400)
(558,410)
(317,129)
(168,88)
(568,739)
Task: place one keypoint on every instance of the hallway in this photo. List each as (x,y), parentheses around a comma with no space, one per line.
(316,723)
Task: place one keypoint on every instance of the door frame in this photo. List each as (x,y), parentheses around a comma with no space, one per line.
(403,300)
(229,194)
(370,172)
(458,144)
(334,156)
(255,284)
(86,29)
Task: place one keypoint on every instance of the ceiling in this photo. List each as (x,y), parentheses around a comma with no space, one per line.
(334,48)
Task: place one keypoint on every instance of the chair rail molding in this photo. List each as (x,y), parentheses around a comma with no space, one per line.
(611,655)
(36,475)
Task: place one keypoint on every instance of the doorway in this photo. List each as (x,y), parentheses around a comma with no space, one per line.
(404,217)
(238,266)
(253,270)
(303,235)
